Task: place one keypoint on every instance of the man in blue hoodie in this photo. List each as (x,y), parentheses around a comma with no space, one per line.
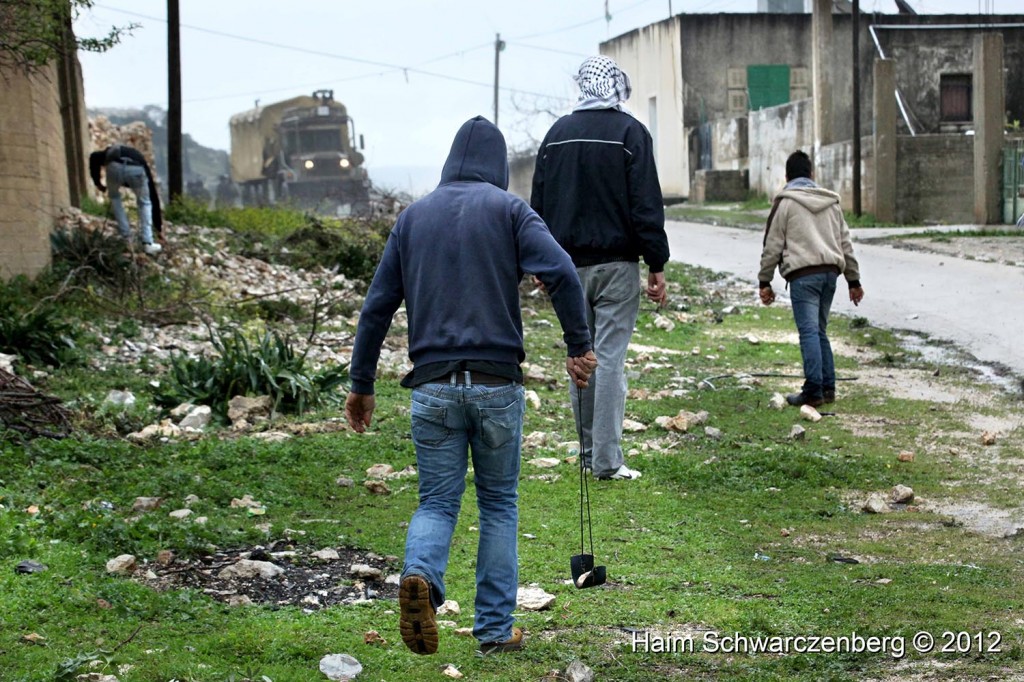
(456,257)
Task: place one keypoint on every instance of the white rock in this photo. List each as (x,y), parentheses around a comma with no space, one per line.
(180,514)
(752,340)
(544,462)
(536,439)
(578,672)
(272,436)
(191,499)
(144,504)
(797,432)
(327,554)
(407,472)
(181,410)
(366,571)
(633,426)
(809,413)
(452,672)
(533,599)
(713,433)
(340,667)
(379,471)
(124,563)
(248,569)
(449,608)
(7,362)
(662,322)
(777,402)
(902,494)
(876,504)
(532,399)
(123,399)
(197,418)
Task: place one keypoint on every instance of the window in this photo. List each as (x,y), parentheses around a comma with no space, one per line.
(955,98)
(767,85)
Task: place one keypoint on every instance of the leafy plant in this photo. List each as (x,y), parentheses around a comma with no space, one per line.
(270,367)
(102,253)
(40,335)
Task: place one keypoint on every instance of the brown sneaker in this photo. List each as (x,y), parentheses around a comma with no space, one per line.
(513,643)
(417,624)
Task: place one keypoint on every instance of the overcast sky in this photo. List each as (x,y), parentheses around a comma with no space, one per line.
(409,71)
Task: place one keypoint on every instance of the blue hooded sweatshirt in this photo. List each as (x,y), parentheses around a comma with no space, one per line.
(456,258)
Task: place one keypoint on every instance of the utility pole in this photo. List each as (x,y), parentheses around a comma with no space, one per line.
(499,45)
(856,108)
(174,170)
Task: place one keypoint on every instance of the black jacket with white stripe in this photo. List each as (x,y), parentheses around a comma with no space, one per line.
(596,186)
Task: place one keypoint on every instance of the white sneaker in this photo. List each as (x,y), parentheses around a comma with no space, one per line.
(623,473)
(152,249)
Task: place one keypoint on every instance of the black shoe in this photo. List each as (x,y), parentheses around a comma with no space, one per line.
(829,395)
(798,399)
(417,624)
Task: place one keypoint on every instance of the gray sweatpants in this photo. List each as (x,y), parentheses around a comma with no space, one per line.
(612,293)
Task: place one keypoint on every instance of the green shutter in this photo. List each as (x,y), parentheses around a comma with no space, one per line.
(767,85)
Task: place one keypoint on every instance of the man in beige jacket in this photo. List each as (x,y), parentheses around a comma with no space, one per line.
(808,240)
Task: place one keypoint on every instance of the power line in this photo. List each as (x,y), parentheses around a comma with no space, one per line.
(392,68)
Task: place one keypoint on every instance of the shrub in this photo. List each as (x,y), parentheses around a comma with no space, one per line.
(271,367)
(41,335)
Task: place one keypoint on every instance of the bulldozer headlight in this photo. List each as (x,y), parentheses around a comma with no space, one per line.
(308,164)
(344,163)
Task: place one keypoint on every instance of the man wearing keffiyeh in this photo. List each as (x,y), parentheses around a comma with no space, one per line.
(596,186)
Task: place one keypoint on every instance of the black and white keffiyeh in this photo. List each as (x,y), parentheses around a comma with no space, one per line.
(603,85)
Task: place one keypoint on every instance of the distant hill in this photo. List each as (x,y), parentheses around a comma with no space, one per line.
(199,162)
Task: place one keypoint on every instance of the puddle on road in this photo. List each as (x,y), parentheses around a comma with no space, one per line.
(981,518)
(945,353)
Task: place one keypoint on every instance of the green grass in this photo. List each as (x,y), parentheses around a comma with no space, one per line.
(750,213)
(684,545)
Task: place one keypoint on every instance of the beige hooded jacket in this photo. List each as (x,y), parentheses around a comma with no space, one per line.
(808,231)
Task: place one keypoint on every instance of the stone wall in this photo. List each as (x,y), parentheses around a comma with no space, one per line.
(33,169)
(935,179)
(834,171)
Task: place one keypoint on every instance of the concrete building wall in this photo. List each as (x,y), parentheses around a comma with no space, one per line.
(935,175)
(923,56)
(731,147)
(33,169)
(775,133)
(651,58)
(835,172)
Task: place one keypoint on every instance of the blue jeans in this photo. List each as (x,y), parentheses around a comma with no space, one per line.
(811,297)
(449,421)
(119,174)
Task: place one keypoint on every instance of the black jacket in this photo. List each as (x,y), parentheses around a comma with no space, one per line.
(596,186)
(122,153)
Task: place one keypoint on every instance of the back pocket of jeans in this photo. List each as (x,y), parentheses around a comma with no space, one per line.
(499,424)
(428,427)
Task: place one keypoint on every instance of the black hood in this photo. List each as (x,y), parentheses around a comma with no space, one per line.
(478,154)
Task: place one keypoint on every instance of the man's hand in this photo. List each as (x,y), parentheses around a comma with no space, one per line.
(359,410)
(767,295)
(539,284)
(101,187)
(581,367)
(856,295)
(656,290)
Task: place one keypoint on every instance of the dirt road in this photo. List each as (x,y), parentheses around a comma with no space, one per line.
(977,305)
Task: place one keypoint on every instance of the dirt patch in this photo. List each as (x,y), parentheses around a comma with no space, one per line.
(306,582)
(1003,250)
(913,384)
(979,517)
